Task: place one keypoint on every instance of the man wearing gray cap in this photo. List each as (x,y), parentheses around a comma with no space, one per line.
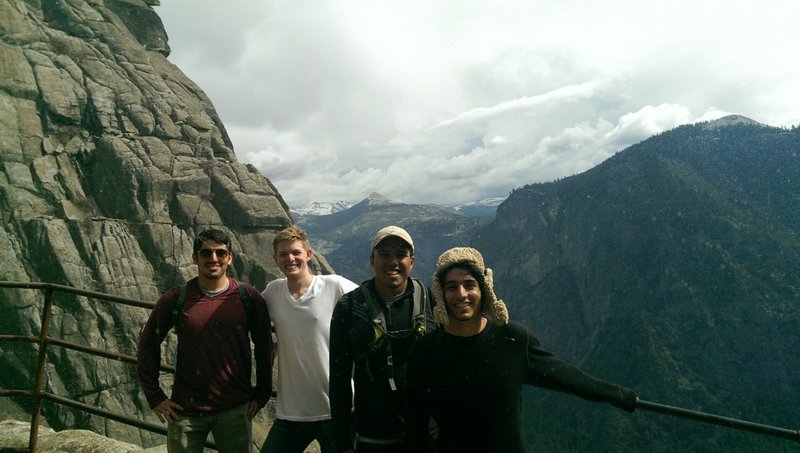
(372,330)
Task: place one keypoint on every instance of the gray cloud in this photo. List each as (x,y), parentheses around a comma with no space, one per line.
(455,101)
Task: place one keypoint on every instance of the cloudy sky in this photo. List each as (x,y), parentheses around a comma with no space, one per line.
(459,100)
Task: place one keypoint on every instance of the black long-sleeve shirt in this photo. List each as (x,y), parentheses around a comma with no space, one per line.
(472,387)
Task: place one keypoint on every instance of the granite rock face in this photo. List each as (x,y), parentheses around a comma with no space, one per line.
(111,160)
(14,437)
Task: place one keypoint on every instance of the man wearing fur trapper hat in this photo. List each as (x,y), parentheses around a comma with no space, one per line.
(468,374)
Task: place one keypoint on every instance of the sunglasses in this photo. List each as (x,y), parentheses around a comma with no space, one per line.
(206,253)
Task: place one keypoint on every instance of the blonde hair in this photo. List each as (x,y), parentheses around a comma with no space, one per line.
(292,233)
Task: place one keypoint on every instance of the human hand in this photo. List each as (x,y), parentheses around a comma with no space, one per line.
(166,411)
(253,409)
(628,399)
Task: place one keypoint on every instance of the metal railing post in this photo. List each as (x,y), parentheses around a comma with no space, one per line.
(41,365)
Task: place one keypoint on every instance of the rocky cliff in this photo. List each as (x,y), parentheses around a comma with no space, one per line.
(111,159)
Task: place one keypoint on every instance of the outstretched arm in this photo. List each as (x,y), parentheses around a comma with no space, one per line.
(548,371)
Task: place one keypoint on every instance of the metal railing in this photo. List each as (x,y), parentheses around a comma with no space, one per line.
(719,420)
(43,340)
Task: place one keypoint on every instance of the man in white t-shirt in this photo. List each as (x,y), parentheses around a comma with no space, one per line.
(301,306)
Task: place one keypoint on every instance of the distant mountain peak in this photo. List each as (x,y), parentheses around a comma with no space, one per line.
(485,207)
(731,120)
(376,199)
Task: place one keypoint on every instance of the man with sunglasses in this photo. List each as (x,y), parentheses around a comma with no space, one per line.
(215,318)
(372,330)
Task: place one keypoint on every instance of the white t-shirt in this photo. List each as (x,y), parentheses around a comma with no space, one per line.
(303,330)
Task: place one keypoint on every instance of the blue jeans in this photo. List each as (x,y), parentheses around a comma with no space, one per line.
(231,428)
(293,437)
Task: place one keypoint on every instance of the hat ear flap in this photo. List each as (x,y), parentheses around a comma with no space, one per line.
(500,313)
(496,309)
(440,315)
(439,310)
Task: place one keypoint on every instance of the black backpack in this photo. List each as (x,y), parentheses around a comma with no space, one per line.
(379,323)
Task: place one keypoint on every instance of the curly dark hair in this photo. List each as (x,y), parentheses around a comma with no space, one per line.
(211,234)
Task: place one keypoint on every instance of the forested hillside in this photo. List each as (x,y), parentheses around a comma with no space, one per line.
(672,268)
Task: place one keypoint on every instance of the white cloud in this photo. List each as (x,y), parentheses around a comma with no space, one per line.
(453,101)
(649,120)
(519,105)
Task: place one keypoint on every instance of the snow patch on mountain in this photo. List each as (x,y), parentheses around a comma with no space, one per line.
(323,207)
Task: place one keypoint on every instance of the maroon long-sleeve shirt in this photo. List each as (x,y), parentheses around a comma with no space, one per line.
(213,366)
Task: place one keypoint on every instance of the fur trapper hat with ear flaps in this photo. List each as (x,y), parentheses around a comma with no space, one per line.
(492,307)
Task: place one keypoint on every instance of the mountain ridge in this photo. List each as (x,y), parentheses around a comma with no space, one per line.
(344,236)
(479,208)
(672,268)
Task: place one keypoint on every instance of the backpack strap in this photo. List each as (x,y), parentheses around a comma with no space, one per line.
(420,307)
(176,309)
(378,318)
(244,297)
(376,314)
(417,315)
